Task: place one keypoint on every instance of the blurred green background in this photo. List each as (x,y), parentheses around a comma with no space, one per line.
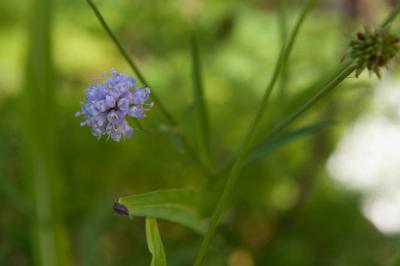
(58,182)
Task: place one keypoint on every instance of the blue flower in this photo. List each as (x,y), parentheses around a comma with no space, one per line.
(110,102)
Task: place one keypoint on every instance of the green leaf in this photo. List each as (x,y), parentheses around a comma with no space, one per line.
(177,143)
(397,262)
(40,127)
(154,243)
(183,206)
(199,98)
(95,222)
(14,195)
(267,146)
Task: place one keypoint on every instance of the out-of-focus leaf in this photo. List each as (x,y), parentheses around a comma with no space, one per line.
(199,99)
(267,146)
(177,143)
(95,223)
(396,260)
(183,206)
(154,243)
(39,131)
(11,192)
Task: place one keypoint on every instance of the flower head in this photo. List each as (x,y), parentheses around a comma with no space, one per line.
(373,49)
(108,103)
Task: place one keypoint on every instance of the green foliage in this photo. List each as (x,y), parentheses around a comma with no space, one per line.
(283,211)
(40,138)
(184,206)
(250,135)
(267,146)
(199,101)
(154,243)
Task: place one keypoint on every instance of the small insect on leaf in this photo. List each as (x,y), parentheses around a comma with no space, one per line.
(120,209)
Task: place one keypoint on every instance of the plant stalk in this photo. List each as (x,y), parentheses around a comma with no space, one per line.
(170,120)
(245,147)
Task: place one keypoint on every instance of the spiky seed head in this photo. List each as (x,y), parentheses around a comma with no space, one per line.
(373,50)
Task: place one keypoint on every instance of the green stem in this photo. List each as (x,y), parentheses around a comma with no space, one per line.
(230,184)
(170,120)
(391,16)
(342,74)
(337,78)
(130,62)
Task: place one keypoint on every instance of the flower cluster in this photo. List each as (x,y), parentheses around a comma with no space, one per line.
(108,104)
(373,49)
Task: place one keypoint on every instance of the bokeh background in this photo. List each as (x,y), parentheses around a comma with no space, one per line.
(330,198)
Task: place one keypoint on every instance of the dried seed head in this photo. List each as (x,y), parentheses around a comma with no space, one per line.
(373,49)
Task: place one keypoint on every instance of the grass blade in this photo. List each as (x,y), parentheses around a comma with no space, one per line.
(266,147)
(283,35)
(154,243)
(199,99)
(40,139)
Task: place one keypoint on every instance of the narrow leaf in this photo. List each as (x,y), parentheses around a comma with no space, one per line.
(39,127)
(199,98)
(154,243)
(183,206)
(267,146)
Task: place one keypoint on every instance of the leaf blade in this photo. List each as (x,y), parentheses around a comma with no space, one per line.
(183,206)
(268,146)
(154,243)
(199,98)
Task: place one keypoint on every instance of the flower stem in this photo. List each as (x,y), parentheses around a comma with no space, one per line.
(342,74)
(230,184)
(170,120)
(389,19)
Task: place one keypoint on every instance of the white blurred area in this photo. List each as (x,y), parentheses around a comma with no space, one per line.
(367,158)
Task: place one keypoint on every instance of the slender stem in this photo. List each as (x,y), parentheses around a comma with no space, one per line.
(130,62)
(395,12)
(199,98)
(342,74)
(332,84)
(283,34)
(121,49)
(170,120)
(230,184)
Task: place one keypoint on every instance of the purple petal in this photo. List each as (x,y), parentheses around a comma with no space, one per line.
(110,101)
(123,104)
(136,111)
(112,117)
